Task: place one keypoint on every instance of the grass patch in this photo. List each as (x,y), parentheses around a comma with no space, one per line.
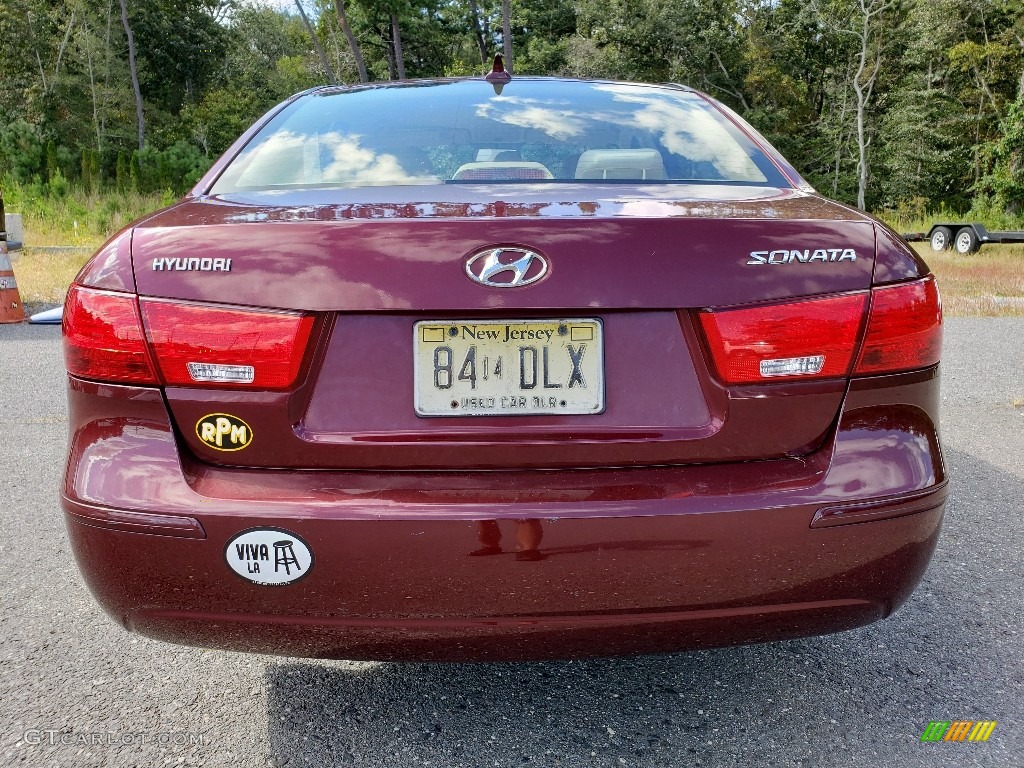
(43,278)
(71,215)
(989,283)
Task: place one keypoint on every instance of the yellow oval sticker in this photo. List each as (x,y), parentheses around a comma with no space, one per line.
(223,432)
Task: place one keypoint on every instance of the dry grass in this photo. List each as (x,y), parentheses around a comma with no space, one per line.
(38,235)
(43,278)
(988,283)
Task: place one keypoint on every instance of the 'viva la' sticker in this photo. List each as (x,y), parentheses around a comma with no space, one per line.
(223,432)
(271,557)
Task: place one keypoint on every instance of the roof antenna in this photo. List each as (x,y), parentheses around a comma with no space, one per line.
(498,76)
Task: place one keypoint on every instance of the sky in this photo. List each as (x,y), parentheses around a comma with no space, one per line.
(282,4)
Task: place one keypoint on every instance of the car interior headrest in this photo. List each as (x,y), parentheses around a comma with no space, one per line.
(620,164)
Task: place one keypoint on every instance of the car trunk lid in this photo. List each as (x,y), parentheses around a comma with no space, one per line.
(634,270)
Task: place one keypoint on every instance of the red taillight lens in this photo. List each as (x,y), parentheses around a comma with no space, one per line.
(813,339)
(904,330)
(103,337)
(193,345)
(201,345)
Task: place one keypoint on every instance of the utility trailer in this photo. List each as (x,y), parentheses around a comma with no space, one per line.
(963,238)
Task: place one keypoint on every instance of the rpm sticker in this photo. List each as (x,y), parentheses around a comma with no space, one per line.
(223,432)
(271,557)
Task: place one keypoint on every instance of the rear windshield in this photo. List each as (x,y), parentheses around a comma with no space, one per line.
(466,132)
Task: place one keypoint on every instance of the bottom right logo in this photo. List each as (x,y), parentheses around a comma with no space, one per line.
(958,730)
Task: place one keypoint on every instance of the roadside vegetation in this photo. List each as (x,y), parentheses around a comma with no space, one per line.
(62,213)
(890,105)
(916,216)
(913,109)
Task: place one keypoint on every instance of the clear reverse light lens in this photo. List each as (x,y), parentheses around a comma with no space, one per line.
(241,374)
(793,366)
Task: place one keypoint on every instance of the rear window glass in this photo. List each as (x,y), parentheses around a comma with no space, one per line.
(465,132)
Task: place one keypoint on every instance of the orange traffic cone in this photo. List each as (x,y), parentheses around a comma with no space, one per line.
(11,310)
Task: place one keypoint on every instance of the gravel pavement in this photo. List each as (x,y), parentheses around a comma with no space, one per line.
(861,698)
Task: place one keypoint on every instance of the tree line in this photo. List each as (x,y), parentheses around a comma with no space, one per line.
(910,105)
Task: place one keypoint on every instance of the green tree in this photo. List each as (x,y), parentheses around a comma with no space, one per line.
(21,149)
(90,169)
(220,118)
(922,153)
(122,175)
(180,47)
(1005,181)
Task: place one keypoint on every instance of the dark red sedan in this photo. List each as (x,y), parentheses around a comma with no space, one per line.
(464,369)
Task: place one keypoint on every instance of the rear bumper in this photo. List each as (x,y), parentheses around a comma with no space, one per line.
(630,561)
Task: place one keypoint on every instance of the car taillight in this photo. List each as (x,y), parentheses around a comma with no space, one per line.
(188,344)
(812,339)
(204,345)
(103,337)
(817,338)
(904,328)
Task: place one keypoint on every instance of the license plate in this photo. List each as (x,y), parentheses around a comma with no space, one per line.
(508,368)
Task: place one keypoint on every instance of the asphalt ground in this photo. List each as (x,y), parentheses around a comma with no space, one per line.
(76,690)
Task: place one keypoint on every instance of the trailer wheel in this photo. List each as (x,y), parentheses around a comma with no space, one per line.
(966,242)
(941,239)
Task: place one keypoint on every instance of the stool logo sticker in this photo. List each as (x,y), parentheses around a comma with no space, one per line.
(224,432)
(270,557)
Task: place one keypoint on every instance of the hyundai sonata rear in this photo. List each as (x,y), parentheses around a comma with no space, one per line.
(462,370)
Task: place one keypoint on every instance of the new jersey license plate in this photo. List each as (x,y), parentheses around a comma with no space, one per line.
(508,368)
